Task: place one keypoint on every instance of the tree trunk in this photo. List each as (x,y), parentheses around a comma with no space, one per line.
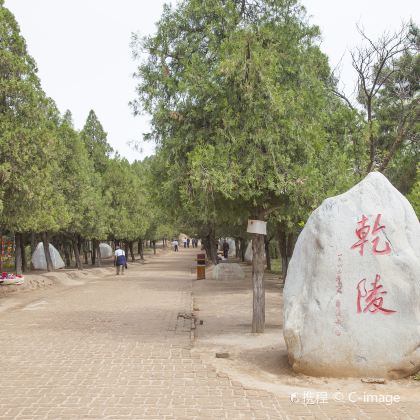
(76,251)
(18,253)
(210,245)
(258,312)
(286,245)
(46,243)
(141,249)
(67,254)
(97,251)
(243,249)
(154,247)
(130,245)
(236,248)
(126,250)
(85,252)
(1,245)
(33,247)
(283,253)
(276,251)
(22,247)
(267,253)
(93,252)
(79,245)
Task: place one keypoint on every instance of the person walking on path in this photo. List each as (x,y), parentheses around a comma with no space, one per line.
(225,249)
(120,261)
(185,242)
(175,245)
(188,242)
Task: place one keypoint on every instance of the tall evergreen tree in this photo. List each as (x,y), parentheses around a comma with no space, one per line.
(239,99)
(96,142)
(28,144)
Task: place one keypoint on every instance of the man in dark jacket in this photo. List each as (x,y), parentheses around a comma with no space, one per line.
(225,249)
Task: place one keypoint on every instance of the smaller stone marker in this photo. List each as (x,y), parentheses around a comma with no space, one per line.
(228,271)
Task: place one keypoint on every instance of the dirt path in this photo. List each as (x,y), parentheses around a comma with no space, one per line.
(259,361)
(120,347)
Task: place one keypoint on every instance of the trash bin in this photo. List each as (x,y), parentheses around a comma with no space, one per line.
(201,266)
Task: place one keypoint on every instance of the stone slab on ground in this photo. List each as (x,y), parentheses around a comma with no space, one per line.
(227,271)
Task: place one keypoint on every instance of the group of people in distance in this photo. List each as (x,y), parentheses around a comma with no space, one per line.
(187,242)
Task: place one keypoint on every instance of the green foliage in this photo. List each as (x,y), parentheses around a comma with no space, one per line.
(414,194)
(80,184)
(241,112)
(96,142)
(244,120)
(27,139)
(54,179)
(128,218)
(398,112)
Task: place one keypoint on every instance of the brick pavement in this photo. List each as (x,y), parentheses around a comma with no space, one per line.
(115,348)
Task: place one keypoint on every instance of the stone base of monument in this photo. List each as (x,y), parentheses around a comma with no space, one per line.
(352,292)
(228,271)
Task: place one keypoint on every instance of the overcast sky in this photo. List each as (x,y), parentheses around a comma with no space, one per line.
(82,48)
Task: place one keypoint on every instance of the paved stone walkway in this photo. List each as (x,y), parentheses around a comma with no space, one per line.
(119,348)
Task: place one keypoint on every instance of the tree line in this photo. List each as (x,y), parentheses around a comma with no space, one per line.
(58,184)
(250,123)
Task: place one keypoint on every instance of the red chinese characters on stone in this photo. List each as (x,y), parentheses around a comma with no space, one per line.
(371,300)
(362,232)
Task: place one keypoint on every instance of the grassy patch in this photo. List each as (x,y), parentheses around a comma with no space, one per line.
(276,265)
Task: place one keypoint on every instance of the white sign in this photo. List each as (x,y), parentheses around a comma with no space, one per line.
(257,226)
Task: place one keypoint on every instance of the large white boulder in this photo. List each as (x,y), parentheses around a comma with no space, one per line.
(39,261)
(106,250)
(352,292)
(248,252)
(227,271)
(232,247)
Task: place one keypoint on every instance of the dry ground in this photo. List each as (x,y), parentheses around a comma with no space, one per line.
(98,346)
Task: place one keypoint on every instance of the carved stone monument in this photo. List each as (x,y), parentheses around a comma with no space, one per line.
(352,292)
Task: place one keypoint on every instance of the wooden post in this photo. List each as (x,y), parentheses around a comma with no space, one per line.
(258,310)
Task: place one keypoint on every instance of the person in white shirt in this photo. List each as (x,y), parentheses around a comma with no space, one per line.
(120,261)
(175,245)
